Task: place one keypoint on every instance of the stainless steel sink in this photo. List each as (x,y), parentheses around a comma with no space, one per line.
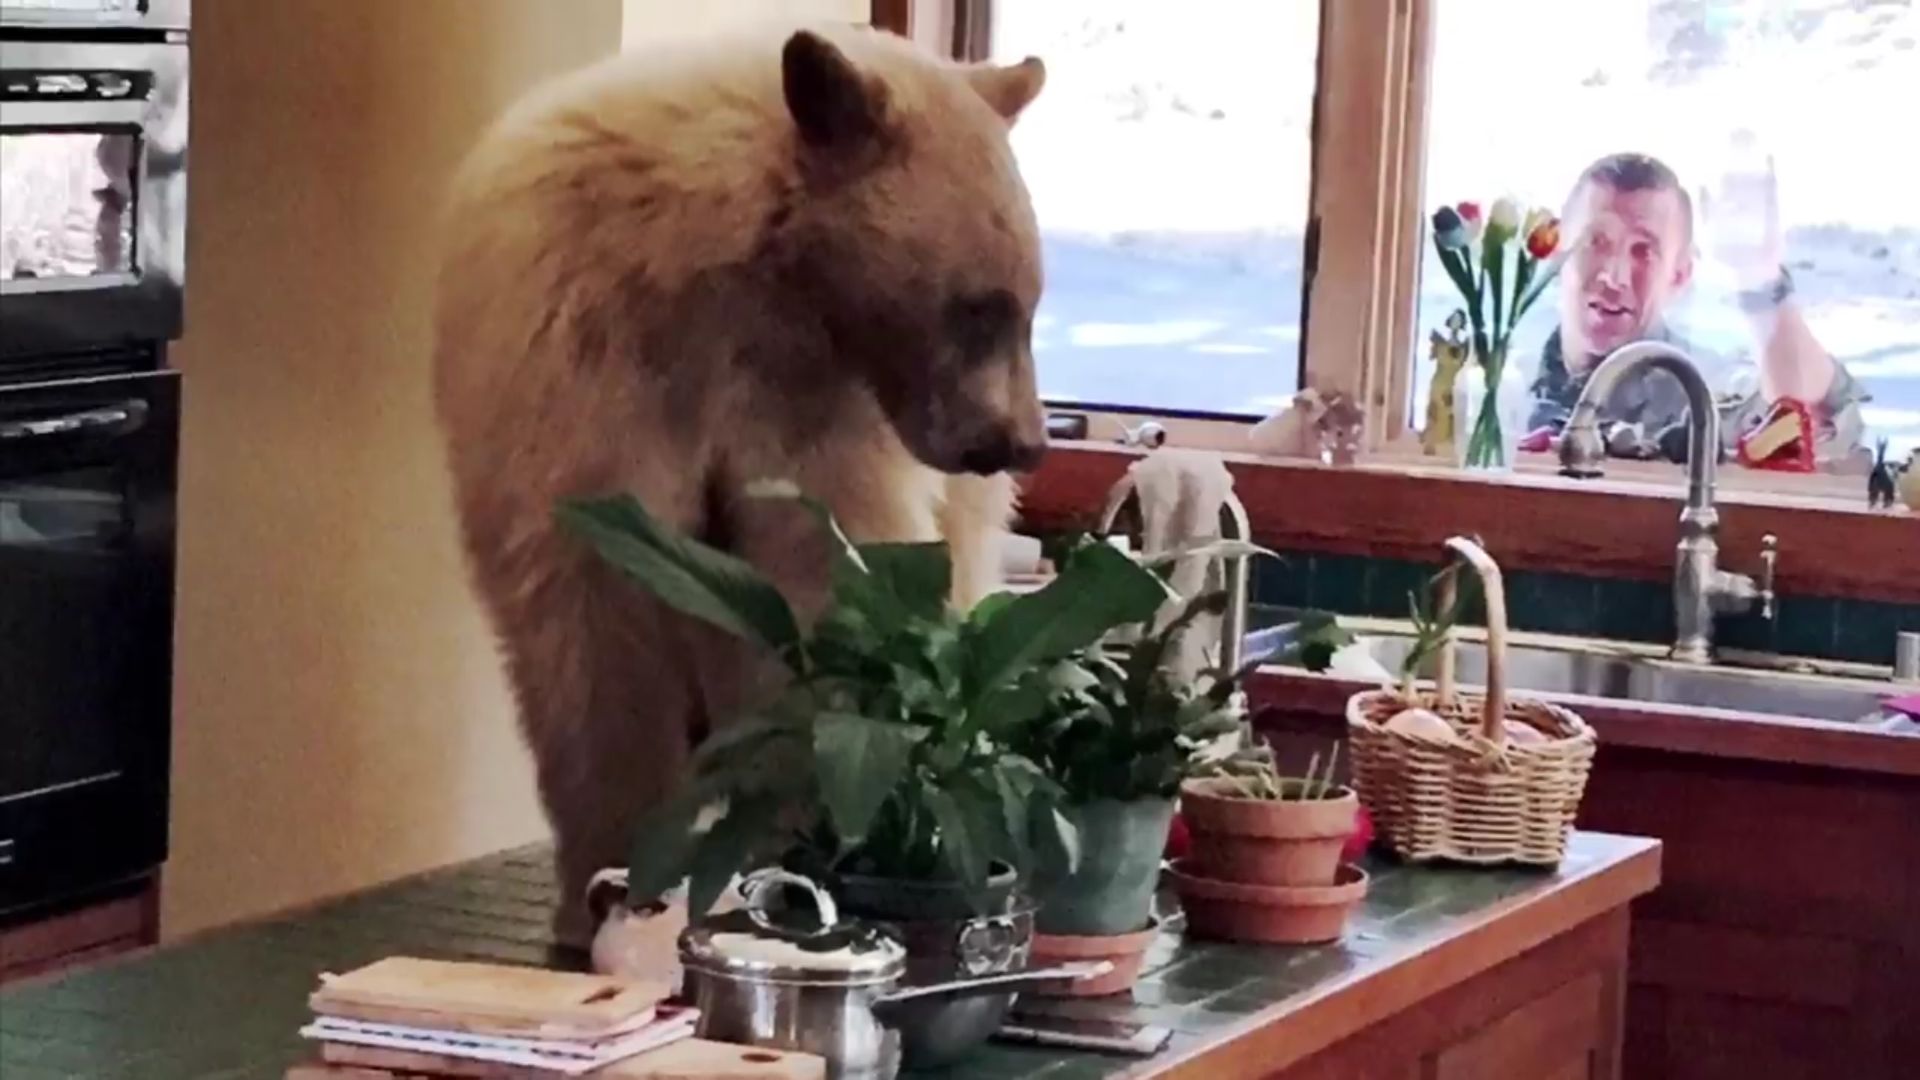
(1625,676)
(1636,678)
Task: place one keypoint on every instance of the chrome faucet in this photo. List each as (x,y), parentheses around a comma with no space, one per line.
(1701,590)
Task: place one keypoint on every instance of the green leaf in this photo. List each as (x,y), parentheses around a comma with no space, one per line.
(859,762)
(663,843)
(1098,591)
(683,573)
(1012,795)
(989,606)
(1458,270)
(1055,838)
(916,578)
(1321,635)
(963,848)
(729,848)
(741,735)
(1494,261)
(887,583)
(1151,652)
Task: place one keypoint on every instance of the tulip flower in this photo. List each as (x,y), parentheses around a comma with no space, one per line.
(1449,232)
(1543,238)
(1473,219)
(1498,295)
(1503,222)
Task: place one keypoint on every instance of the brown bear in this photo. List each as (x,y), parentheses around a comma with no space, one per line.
(806,256)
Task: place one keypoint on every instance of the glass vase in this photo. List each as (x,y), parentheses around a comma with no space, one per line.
(1487,426)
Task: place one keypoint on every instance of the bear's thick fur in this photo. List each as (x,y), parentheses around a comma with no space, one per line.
(805,256)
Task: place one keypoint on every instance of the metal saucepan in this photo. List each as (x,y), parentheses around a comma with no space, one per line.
(818,984)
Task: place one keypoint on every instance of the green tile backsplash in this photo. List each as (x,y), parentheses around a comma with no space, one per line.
(1821,627)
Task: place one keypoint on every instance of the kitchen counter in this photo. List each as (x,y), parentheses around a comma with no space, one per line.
(1471,972)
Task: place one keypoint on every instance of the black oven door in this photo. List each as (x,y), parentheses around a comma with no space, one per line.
(93,142)
(87,481)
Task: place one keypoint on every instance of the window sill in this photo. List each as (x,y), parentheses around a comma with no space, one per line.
(1620,526)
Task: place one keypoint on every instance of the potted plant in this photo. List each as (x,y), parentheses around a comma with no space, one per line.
(1118,734)
(883,767)
(1265,857)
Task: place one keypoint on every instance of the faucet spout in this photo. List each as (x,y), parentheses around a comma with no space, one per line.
(1581,452)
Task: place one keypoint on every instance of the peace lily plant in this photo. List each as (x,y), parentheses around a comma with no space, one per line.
(910,743)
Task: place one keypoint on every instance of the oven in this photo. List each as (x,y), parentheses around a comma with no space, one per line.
(87,16)
(87,482)
(93,191)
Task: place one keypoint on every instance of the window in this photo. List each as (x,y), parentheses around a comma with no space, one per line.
(1169,165)
(1183,154)
(1746,104)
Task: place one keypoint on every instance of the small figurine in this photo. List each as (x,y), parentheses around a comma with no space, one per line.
(1293,431)
(1910,481)
(1880,482)
(1338,430)
(1450,354)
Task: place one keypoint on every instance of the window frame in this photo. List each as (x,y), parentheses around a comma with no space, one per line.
(1365,246)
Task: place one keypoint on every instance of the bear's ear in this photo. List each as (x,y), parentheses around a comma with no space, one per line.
(1009,88)
(831,102)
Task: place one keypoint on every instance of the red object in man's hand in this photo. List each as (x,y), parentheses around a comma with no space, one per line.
(1537,441)
(1783,442)
(1176,838)
(1361,838)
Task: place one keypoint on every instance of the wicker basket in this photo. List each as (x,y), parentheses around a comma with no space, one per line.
(1478,797)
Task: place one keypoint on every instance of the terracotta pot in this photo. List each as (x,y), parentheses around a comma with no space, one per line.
(1125,951)
(1273,914)
(1266,841)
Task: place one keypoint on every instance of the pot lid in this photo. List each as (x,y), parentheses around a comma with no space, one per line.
(817,947)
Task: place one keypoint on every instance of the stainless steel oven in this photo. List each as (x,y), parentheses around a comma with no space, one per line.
(94,15)
(87,481)
(93,192)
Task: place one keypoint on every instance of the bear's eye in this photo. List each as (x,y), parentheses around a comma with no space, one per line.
(981,325)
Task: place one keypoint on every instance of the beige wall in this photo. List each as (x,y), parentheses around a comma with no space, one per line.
(340,714)
(340,718)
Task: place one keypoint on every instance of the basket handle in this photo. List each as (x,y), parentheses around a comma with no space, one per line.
(1471,553)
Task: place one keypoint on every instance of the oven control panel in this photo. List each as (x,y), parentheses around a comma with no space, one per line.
(74,85)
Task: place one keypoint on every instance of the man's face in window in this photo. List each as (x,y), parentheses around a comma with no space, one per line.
(1634,258)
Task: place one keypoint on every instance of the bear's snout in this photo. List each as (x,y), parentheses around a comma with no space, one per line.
(1003,453)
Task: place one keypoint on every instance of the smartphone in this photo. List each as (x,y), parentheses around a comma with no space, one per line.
(1040,1029)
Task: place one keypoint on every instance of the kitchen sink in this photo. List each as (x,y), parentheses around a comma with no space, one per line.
(1625,675)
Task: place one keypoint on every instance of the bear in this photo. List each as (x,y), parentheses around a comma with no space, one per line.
(804,255)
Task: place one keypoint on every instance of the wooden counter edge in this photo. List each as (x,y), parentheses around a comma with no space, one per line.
(1286,1034)
(1892,749)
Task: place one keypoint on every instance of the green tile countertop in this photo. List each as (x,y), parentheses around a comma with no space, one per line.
(227,1005)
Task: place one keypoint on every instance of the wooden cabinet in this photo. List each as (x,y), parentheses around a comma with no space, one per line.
(1784,940)
(45,942)
(1553,1013)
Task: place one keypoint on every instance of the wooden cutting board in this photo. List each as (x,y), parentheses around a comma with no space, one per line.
(485,998)
(688,1059)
